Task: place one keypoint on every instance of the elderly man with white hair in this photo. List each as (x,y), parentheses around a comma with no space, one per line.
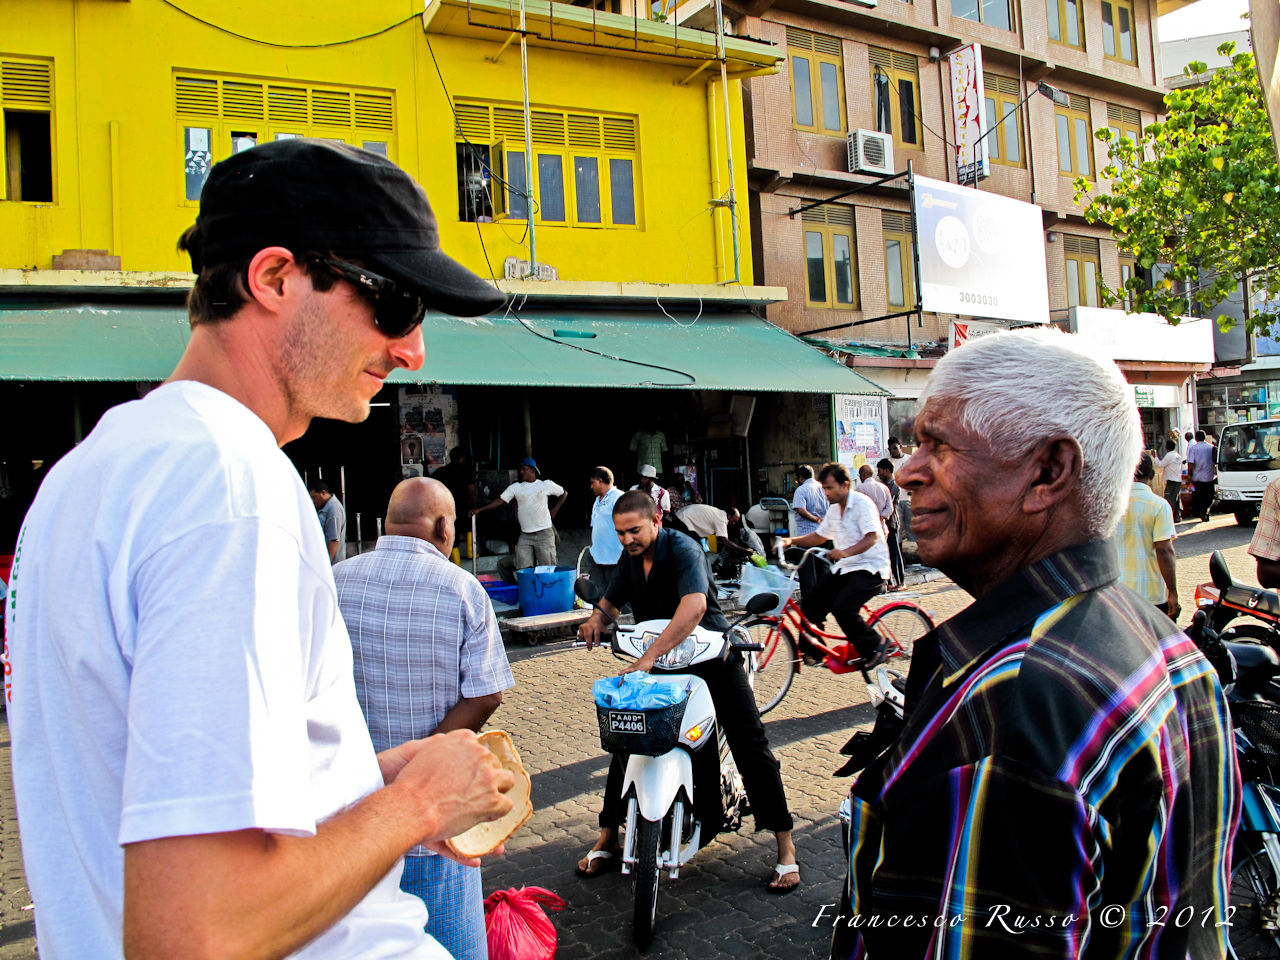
(1064,784)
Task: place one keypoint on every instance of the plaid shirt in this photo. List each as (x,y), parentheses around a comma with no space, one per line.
(1066,772)
(423,634)
(1147,520)
(1266,538)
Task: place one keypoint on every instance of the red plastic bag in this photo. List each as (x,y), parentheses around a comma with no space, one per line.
(516,927)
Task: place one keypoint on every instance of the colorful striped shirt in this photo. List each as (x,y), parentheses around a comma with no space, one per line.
(1065,785)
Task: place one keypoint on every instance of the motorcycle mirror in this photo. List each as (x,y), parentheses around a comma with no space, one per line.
(762,602)
(586,591)
(1219,572)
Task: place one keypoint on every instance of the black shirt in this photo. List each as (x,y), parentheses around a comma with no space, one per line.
(679,568)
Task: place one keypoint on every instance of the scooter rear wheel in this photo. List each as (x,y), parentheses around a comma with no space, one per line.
(648,839)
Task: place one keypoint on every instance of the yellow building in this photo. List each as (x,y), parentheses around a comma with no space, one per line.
(113,112)
(630,155)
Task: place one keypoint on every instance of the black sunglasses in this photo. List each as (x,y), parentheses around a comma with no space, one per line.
(397,310)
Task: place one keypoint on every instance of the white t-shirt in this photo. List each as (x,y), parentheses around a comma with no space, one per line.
(1171,464)
(845,527)
(163,684)
(532,508)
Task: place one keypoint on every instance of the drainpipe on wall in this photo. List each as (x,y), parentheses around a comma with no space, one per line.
(729,198)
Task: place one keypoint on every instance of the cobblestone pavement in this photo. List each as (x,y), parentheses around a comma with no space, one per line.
(717,907)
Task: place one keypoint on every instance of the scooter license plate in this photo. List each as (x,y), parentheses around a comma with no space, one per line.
(625,721)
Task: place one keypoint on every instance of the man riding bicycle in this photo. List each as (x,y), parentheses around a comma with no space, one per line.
(860,565)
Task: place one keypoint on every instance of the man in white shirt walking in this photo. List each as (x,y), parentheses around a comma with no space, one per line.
(861,562)
(1170,467)
(537,543)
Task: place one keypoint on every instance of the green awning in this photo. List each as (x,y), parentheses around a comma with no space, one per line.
(99,341)
(737,352)
(734,351)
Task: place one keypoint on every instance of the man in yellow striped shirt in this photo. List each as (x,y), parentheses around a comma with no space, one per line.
(1144,543)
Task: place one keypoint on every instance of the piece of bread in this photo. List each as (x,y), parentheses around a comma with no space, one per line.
(484,838)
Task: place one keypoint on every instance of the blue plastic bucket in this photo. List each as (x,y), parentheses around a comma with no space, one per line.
(545,590)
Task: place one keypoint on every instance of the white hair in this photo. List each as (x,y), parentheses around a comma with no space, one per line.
(1018,388)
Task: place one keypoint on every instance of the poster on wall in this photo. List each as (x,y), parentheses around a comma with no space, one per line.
(968,99)
(859,430)
(962,331)
(428,428)
(981,254)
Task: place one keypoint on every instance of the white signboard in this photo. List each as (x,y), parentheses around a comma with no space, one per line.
(1143,336)
(981,254)
(968,108)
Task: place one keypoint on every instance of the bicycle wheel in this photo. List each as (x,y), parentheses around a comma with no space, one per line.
(771,670)
(1253,903)
(902,624)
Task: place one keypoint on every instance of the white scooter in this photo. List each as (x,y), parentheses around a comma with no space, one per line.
(661,824)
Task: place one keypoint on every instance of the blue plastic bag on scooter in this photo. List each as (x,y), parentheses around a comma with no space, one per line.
(639,691)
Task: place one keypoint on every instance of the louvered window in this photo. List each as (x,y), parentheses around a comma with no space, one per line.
(220,115)
(1004,137)
(1126,123)
(895,96)
(831,261)
(583,165)
(1083,270)
(1075,140)
(899,259)
(817,82)
(26,133)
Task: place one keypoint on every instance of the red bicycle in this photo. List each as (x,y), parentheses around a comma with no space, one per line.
(771,670)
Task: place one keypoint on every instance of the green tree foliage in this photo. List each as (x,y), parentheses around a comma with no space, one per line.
(1201,193)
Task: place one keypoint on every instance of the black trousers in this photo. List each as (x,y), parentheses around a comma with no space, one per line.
(1173,494)
(737,714)
(895,557)
(1202,497)
(844,594)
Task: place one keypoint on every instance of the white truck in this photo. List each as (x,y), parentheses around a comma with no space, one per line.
(1248,460)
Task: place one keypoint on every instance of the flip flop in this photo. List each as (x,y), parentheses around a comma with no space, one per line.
(780,871)
(608,860)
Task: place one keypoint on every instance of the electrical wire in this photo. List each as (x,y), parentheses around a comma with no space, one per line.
(290,46)
(597,353)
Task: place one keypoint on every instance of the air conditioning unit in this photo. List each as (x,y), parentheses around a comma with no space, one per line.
(870,152)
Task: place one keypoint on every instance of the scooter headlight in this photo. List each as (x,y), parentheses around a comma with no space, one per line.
(678,657)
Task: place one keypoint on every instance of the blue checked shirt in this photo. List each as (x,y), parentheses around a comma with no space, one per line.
(423,636)
(1065,785)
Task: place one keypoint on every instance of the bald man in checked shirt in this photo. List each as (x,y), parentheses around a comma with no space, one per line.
(428,658)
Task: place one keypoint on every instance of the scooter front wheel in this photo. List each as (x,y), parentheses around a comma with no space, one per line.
(1254,901)
(648,840)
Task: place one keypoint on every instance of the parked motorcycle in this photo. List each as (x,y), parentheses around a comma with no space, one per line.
(662,829)
(1248,673)
(1229,602)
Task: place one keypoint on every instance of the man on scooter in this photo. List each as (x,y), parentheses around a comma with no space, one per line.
(665,576)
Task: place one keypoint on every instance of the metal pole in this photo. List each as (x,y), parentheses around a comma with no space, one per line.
(475,548)
(728,138)
(915,245)
(359,536)
(528,145)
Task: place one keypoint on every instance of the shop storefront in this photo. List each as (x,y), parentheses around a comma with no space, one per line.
(566,384)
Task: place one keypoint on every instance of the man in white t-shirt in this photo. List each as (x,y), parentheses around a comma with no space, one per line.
(649,484)
(191,767)
(860,557)
(537,543)
(1170,467)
